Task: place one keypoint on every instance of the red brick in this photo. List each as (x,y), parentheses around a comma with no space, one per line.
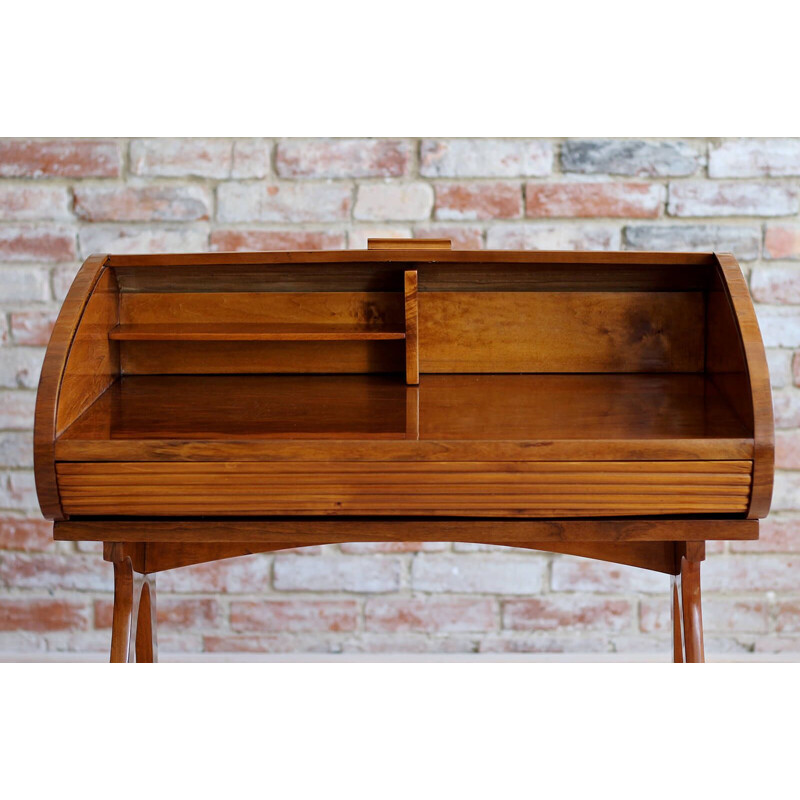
(28,202)
(36,243)
(294,616)
(166,202)
(32,327)
(478,200)
(342,158)
(180,158)
(25,534)
(233,575)
(776,535)
(567,613)
(55,571)
(16,409)
(637,200)
(369,548)
(430,615)
(466,237)
(59,158)
(234,239)
(787,449)
(35,614)
(782,241)
(177,613)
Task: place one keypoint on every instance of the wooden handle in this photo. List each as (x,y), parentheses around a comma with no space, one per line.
(409,244)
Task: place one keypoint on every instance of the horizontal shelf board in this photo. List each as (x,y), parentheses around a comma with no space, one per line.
(252,332)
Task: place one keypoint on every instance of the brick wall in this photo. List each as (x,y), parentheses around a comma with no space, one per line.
(63,199)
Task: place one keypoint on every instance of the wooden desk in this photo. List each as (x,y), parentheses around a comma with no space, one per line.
(609,405)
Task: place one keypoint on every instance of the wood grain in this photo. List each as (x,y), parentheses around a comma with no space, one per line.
(373,309)
(759,385)
(539,489)
(292,532)
(561,332)
(247,332)
(48,421)
(412,327)
(409,244)
(457,417)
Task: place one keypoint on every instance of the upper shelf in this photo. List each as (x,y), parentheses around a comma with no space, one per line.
(253,332)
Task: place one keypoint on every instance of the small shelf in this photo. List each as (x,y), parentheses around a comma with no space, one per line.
(253,332)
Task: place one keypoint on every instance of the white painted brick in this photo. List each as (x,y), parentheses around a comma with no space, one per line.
(779,363)
(283,202)
(547,236)
(251,158)
(139,239)
(570,574)
(744,241)
(337,574)
(394,201)
(357,237)
(485,158)
(178,158)
(28,284)
(510,575)
(753,158)
(731,199)
(20,367)
(780,325)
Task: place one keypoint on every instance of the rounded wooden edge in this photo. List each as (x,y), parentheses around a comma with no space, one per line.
(433,255)
(53,366)
(760,388)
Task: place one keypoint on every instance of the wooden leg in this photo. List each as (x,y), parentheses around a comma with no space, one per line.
(142,646)
(677,619)
(146,643)
(123,604)
(692,611)
(133,628)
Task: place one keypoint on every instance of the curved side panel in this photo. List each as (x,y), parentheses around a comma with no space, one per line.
(54,366)
(761,393)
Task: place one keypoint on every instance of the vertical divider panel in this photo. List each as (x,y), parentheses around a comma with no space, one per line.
(412,327)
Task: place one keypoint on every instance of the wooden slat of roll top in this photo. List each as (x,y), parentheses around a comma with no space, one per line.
(493,489)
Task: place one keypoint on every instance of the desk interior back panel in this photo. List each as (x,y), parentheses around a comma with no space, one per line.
(561,332)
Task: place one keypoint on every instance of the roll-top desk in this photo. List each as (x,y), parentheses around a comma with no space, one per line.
(608,405)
